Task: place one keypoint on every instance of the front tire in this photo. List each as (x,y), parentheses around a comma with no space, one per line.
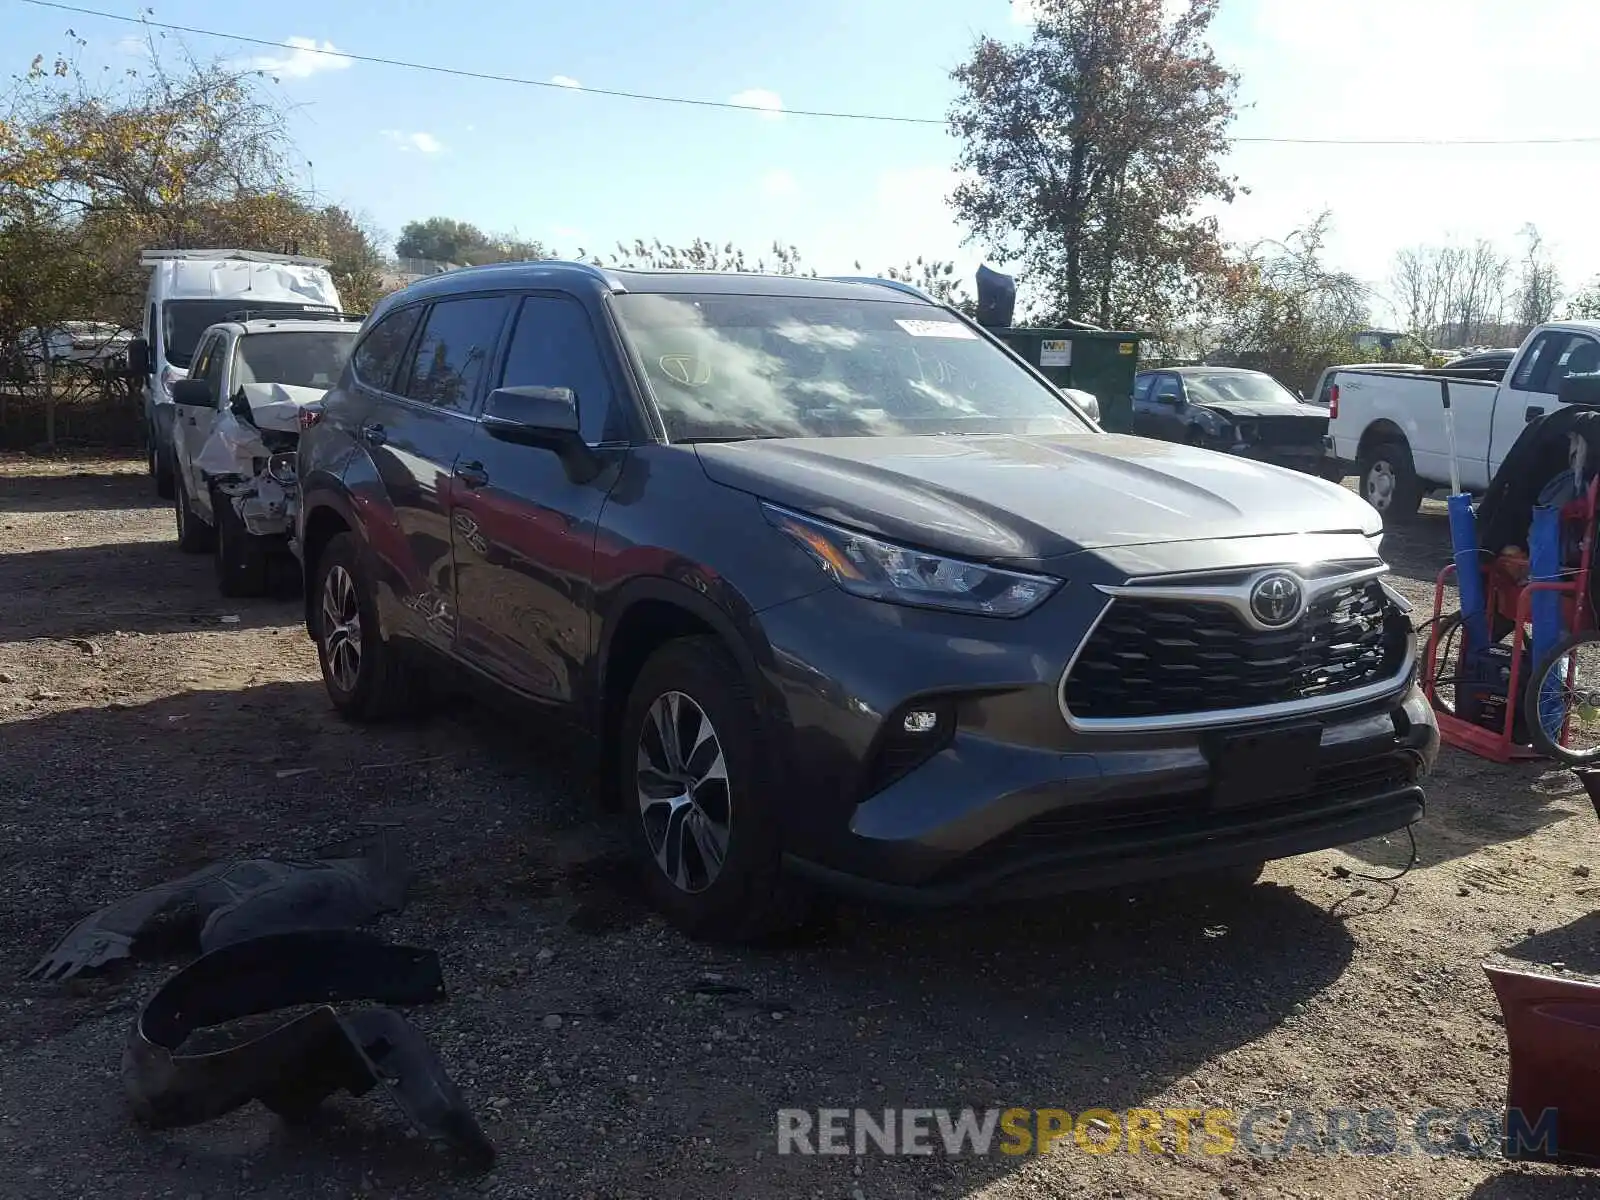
(364,675)
(1389,481)
(697,784)
(194,535)
(240,560)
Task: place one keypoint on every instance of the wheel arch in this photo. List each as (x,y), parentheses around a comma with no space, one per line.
(1378,433)
(324,519)
(646,615)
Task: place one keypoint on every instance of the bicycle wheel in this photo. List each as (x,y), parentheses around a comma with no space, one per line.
(1446,656)
(1562,702)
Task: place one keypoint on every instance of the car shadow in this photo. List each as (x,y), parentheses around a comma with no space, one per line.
(1575,946)
(1512,1184)
(52,487)
(63,593)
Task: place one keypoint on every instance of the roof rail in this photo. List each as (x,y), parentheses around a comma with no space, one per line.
(149,258)
(897,284)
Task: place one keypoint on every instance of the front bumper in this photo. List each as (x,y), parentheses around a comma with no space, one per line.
(1297,456)
(1015,803)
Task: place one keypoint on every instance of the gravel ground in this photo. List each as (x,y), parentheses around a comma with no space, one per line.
(148,726)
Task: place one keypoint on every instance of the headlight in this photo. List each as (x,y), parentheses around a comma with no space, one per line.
(878,570)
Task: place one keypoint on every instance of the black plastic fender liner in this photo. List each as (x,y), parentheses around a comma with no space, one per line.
(295,1066)
(229,902)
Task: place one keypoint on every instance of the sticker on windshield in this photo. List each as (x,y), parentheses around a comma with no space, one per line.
(938,329)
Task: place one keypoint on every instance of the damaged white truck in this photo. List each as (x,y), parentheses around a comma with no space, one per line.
(255,383)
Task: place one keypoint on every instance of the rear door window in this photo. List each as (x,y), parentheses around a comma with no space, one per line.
(1142,385)
(454,350)
(382,351)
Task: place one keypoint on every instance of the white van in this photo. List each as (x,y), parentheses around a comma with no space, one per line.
(192,290)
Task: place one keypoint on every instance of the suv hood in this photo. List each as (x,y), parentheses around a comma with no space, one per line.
(1263,408)
(1003,496)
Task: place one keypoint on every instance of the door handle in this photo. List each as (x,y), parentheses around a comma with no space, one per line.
(472,474)
(375,433)
(1533,411)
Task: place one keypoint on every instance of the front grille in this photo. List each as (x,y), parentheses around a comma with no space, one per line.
(1288,431)
(1157,658)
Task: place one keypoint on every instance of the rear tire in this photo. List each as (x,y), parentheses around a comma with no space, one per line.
(194,535)
(1389,481)
(365,676)
(700,814)
(240,560)
(159,464)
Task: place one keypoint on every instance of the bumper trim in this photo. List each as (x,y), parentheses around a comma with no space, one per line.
(1061,871)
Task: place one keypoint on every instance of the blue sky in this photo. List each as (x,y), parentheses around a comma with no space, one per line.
(576,169)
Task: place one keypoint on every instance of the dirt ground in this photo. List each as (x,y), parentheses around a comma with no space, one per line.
(148,726)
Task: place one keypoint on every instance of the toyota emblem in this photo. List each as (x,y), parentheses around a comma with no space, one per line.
(1276,599)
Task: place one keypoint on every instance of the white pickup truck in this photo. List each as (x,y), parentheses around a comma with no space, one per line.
(1391,426)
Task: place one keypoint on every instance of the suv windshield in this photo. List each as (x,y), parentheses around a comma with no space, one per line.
(726,367)
(309,359)
(1219,389)
(183,321)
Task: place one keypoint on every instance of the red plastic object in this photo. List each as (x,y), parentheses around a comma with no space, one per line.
(1511,598)
(1553,1033)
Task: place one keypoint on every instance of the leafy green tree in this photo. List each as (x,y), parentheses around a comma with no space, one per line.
(1089,151)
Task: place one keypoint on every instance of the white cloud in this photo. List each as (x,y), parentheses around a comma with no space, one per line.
(779,183)
(566,81)
(306,56)
(1024,12)
(407,142)
(769,103)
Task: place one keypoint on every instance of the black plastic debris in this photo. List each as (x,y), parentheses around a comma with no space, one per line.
(294,1067)
(227,903)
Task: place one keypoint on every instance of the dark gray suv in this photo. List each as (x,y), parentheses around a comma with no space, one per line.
(847,594)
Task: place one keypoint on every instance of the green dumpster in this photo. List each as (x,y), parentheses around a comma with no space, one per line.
(1100,362)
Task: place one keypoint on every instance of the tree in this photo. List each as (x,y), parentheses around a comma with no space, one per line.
(192,155)
(1288,313)
(1539,284)
(1585,306)
(702,255)
(1089,150)
(440,239)
(1456,295)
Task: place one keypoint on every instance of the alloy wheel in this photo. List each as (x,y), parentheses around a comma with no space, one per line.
(1380,485)
(341,628)
(684,798)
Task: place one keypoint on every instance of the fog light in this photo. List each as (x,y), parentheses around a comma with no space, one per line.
(921,720)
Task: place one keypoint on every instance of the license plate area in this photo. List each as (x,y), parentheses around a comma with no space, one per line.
(1272,764)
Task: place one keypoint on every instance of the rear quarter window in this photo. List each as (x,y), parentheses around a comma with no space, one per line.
(1142,385)
(383,348)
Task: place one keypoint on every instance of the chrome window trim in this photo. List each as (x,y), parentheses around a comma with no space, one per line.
(1236,597)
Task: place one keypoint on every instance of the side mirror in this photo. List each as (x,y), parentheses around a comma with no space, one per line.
(546,417)
(196,392)
(139,358)
(1170,399)
(1583,390)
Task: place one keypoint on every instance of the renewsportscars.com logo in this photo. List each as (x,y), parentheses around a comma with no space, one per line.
(1263,1131)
